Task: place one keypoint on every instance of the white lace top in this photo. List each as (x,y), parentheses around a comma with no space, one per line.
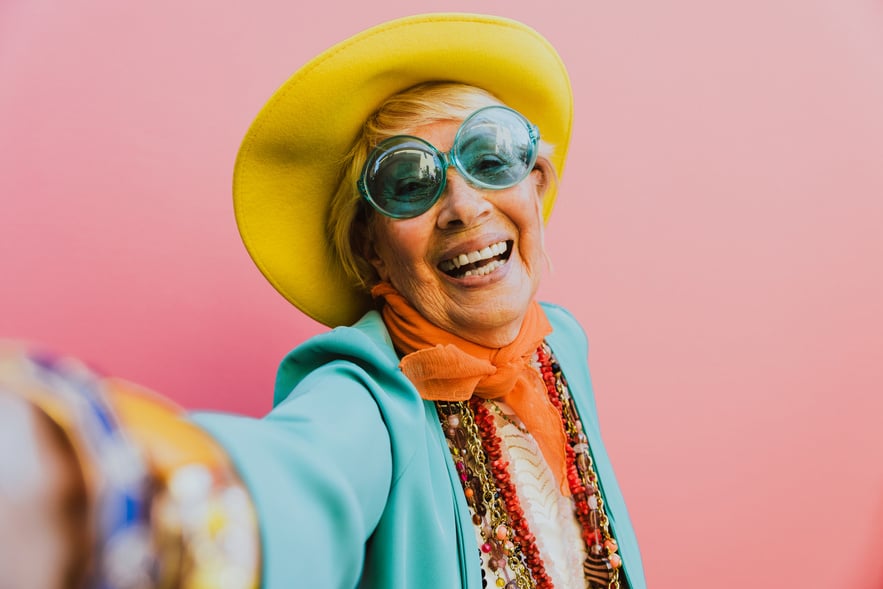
(548,513)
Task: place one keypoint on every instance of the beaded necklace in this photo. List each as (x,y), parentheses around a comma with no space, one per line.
(509,545)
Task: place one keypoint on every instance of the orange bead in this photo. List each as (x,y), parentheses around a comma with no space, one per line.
(615,561)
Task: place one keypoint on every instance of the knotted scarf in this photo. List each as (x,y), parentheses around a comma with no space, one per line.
(445,367)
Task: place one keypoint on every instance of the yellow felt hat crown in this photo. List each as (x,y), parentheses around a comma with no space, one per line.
(289,163)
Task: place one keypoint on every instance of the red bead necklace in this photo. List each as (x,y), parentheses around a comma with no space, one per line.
(500,516)
(603,564)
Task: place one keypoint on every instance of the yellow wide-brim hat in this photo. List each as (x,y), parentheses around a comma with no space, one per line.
(290,161)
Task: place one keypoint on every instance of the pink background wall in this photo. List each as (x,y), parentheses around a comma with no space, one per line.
(719,233)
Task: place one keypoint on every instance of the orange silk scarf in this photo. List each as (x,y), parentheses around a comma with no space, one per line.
(446,367)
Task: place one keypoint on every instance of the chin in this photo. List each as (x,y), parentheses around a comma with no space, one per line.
(496,325)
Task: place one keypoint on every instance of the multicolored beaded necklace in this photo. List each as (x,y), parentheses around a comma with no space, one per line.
(511,548)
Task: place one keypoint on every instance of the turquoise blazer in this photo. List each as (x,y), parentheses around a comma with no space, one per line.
(352,478)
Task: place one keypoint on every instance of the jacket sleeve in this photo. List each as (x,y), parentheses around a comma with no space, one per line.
(319,469)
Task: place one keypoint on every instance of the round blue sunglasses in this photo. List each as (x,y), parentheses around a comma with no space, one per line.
(495,148)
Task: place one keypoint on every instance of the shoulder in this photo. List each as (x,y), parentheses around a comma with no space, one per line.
(364,346)
(367,340)
(566,329)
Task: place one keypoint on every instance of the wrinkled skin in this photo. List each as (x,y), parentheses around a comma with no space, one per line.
(407,252)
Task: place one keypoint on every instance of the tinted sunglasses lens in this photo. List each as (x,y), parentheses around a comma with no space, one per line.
(403,177)
(495,148)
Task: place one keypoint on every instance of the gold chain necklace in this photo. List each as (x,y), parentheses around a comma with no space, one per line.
(508,546)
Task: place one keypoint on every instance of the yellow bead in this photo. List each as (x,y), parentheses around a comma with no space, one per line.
(500,582)
(216,521)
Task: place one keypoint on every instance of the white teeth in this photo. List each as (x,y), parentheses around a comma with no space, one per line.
(495,249)
(486,269)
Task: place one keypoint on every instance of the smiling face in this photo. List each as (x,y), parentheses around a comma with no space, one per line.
(472,263)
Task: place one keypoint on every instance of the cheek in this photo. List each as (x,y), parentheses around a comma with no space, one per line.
(529,219)
(528,214)
(401,249)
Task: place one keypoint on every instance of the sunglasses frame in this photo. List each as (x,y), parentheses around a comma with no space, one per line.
(446,160)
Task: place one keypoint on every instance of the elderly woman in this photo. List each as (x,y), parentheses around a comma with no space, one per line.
(444,433)
(398,184)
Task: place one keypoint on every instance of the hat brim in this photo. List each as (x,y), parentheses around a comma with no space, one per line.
(289,163)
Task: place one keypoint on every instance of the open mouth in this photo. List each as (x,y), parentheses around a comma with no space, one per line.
(479,262)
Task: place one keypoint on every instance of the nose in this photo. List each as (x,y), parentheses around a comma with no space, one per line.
(462,204)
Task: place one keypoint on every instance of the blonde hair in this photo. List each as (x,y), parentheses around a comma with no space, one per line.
(348,220)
